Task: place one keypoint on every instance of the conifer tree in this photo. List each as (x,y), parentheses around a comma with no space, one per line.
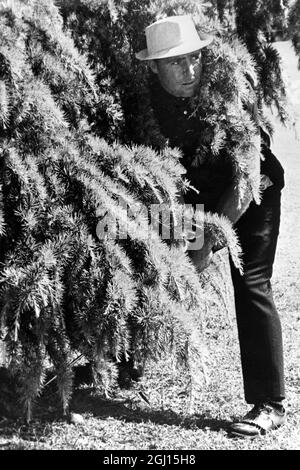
(65,291)
(255,20)
(111,32)
(294,26)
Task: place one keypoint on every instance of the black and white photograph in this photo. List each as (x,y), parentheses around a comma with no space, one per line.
(149,228)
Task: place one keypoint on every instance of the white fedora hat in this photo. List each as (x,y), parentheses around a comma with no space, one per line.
(172,36)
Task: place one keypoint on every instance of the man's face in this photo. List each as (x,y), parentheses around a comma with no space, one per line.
(179,75)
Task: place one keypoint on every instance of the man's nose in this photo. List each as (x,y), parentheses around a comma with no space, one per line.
(188,69)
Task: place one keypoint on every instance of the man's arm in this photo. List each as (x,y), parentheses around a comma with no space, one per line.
(232,205)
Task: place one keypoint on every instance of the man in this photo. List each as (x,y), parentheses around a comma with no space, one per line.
(174,56)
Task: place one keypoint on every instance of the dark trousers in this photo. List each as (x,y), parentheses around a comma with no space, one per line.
(258,322)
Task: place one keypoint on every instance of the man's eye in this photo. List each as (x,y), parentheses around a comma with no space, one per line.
(175,62)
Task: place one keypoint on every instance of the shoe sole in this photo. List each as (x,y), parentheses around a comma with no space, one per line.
(252,436)
(245,436)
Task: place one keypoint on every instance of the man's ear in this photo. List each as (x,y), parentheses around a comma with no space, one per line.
(153,66)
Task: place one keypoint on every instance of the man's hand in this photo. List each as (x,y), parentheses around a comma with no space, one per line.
(201,258)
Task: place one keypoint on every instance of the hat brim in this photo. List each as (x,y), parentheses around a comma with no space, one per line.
(175,51)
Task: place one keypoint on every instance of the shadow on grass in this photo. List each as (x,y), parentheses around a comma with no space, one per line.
(18,435)
(85,402)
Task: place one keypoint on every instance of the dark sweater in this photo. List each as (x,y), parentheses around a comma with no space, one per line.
(210,178)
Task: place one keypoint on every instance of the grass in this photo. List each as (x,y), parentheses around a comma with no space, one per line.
(129,422)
